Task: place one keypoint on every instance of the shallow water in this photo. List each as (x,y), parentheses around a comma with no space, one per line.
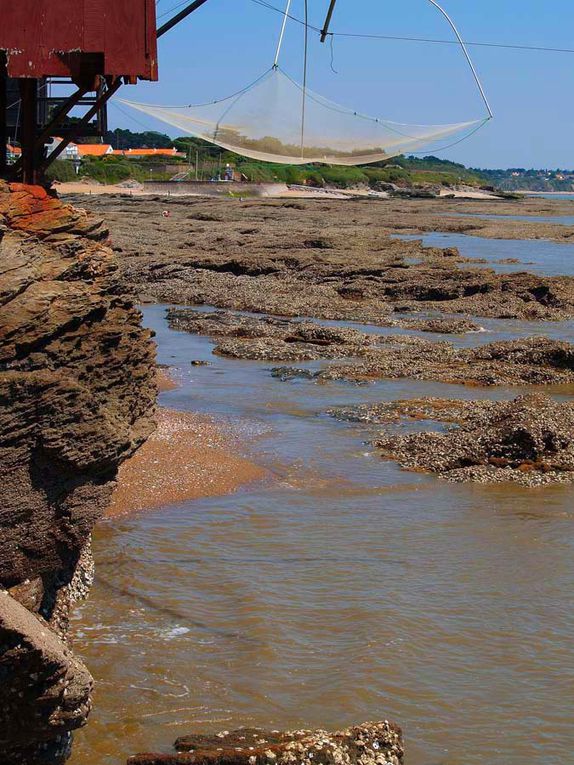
(563,220)
(551,194)
(340,590)
(537,256)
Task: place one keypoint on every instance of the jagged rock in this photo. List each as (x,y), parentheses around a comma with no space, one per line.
(44,689)
(379,743)
(77,393)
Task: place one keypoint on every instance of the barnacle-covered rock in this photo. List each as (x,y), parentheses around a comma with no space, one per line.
(372,743)
(529,440)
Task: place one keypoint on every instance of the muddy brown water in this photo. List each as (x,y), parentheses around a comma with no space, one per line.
(337,591)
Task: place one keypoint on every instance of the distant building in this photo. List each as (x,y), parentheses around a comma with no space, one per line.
(142,153)
(75,151)
(70,152)
(79,150)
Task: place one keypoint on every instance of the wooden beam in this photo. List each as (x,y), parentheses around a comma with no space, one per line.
(77,130)
(29,96)
(3,114)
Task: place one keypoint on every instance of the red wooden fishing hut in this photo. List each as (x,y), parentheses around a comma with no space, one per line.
(91,47)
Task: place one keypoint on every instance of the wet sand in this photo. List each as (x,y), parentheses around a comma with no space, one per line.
(188,457)
(165,381)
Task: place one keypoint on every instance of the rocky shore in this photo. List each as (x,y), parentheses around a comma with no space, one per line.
(77,382)
(78,387)
(325,259)
(266,264)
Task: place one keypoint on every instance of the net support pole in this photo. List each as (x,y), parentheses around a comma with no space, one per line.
(327,24)
(467,56)
(282,34)
(179,17)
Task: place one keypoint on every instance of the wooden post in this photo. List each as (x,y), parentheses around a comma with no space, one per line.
(3,114)
(29,95)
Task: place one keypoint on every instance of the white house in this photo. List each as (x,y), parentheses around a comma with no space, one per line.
(70,152)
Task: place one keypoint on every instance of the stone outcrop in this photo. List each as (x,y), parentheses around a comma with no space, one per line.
(77,390)
(376,743)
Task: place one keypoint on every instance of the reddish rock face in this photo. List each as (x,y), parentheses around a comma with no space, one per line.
(77,393)
(376,743)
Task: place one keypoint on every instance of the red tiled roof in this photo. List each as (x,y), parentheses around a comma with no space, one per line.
(93,149)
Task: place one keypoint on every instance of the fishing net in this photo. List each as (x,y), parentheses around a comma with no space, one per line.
(275,119)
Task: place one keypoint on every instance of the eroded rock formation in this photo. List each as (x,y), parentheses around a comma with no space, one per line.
(77,390)
(376,743)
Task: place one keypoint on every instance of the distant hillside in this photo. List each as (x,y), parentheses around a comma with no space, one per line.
(520,179)
(205,161)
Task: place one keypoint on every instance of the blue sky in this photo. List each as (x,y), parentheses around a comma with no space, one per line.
(228,43)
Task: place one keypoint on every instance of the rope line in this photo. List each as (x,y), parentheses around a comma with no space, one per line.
(332,62)
(304,97)
(438,41)
(173,8)
(465,137)
(206,103)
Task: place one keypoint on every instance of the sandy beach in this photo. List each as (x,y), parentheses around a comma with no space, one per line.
(188,457)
